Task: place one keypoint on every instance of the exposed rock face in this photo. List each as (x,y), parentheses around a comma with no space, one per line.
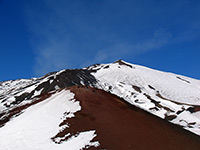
(45,84)
(67,78)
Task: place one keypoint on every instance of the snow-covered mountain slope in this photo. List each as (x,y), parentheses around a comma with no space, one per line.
(169,96)
(171,86)
(81,117)
(172,97)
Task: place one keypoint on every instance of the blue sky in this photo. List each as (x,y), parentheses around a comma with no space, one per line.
(40,36)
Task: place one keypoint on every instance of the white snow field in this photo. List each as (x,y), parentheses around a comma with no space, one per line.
(35,127)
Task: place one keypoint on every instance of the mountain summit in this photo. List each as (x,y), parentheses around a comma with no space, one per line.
(104,106)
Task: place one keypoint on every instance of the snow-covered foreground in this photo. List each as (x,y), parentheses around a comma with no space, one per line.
(35,127)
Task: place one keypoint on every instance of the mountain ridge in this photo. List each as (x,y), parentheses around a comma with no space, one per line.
(173,98)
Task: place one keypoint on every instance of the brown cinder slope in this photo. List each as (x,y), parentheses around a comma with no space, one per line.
(121,126)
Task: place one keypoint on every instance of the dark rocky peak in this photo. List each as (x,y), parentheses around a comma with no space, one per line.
(94,68)
(121,62)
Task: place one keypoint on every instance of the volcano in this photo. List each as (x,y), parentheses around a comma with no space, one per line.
(104,106)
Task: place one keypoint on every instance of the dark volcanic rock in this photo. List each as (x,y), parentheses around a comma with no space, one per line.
(64,79)
(120,62)
(68,78)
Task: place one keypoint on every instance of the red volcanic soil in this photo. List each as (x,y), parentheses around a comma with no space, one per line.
(121,126)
